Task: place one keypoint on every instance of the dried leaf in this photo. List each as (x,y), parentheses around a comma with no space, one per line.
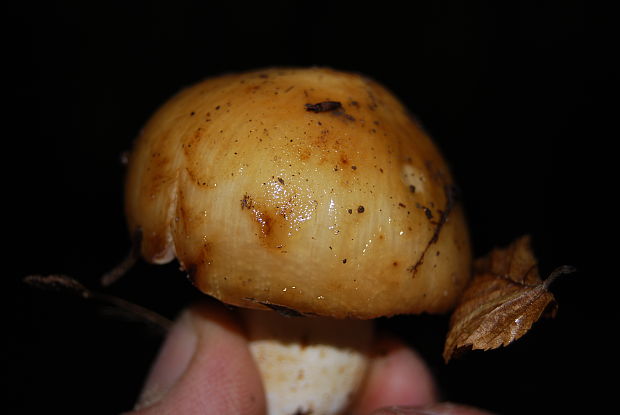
(69,285)
(504,299)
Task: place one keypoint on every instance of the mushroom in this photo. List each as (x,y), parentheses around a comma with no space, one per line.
(302,192)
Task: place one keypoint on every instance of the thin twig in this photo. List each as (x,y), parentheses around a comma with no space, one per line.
(118,271)
(121,269)
(561,270)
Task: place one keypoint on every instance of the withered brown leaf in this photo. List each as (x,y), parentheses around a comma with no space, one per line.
(67,284)
(505,297)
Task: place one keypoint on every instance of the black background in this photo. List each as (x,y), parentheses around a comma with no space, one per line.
(513,94)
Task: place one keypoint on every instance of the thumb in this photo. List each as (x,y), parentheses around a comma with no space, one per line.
(204,367)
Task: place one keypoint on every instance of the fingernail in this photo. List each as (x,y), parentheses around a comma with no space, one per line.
(398,410)
(171,362)
(444,408)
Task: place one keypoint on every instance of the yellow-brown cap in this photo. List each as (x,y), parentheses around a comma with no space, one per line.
(304,190)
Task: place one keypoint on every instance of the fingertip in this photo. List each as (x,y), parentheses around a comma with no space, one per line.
(204,367)
(171,362)
(397,376)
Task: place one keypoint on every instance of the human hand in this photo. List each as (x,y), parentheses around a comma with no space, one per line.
(205,367)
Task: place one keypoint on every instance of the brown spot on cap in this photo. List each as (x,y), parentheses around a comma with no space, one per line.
(323,106)
(246,202)
(264,221)
(428,213)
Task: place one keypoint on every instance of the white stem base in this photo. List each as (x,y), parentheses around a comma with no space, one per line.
(309,365)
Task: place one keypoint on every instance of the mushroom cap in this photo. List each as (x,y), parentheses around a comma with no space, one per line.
(309,191)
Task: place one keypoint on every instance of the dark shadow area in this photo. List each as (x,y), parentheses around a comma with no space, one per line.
(516,96)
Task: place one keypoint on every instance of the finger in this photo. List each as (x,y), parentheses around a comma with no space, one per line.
(444,408)
(397,376)
(204,367)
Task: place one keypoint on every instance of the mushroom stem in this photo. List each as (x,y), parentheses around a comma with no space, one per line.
(309,365)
